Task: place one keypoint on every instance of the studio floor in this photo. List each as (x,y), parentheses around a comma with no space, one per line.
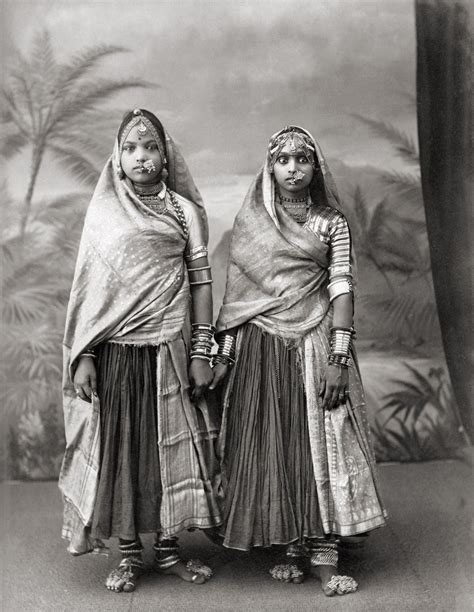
(421,561)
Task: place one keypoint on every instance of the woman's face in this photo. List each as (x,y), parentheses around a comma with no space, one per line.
(140,158)
(293,171)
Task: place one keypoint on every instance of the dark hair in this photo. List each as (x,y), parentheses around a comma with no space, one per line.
(150,116)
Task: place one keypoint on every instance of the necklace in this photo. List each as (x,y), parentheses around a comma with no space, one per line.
(148,194)
(297,209)
(146,190)
(154,203)
(158,205)
(293,200)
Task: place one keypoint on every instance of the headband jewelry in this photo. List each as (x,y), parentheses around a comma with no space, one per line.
(295,139)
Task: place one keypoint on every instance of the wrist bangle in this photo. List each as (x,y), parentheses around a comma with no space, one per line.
(340,360)
(340,341)
(203,357)
(202,341)
(226,349)
(228,361)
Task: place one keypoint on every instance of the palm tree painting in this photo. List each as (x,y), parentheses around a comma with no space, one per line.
(48,106)
(420,419)
(55,109)
(397,249)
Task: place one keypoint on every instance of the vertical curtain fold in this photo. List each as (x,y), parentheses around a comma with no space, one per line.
(444,102)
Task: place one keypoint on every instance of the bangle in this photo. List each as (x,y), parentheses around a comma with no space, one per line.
(200,276)
(228,361)
(202,341)
(341,338)
(226,350)
(88,353)
(340,360)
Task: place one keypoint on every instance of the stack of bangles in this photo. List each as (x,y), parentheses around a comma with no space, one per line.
(202,341)
(341,338)
(226,351)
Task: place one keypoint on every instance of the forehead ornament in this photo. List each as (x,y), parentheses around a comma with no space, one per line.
(292,143)
(144,127)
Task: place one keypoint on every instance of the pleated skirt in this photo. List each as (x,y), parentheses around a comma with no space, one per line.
(271,495)
(129,489)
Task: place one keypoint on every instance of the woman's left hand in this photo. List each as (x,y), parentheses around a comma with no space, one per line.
(334,389)
(200,375)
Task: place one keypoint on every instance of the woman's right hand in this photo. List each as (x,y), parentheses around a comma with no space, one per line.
(85,379)
(220,372)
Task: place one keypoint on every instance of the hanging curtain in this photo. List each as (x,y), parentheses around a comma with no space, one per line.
(444,98)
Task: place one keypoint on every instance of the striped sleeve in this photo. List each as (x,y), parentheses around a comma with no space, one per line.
(196,246)
(340,268)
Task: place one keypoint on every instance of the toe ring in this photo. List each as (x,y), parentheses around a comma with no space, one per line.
(198,568)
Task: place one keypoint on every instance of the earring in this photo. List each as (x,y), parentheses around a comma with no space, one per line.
(120,172)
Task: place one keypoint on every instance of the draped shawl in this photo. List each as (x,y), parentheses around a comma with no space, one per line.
(277,270)
(130,276)
(277,279)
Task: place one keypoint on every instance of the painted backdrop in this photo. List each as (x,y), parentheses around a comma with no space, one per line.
(223,77)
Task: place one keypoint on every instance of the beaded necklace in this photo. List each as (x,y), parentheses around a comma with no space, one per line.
(148,194)
(297,208)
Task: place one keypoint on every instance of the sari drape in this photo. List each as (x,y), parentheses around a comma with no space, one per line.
(277,279)
(130,275)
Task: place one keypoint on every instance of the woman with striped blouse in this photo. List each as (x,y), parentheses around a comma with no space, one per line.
(297,463)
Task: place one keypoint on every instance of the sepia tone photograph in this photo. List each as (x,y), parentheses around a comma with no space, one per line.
(236,305)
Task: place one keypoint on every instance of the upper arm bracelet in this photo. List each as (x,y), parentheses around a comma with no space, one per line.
(339,287)
(196,253)
(200,276)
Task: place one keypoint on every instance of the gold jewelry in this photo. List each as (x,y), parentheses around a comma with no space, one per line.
(292,143)
(297,209)
(142,128)
(293,200)
(226,351)
(147,190)
(296,139)
(149,166)
(202,340)
(148,194)
(143,124)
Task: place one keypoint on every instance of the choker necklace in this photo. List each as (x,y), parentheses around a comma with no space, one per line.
(283,199)
(144,190)
(297,208)
(149,195)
